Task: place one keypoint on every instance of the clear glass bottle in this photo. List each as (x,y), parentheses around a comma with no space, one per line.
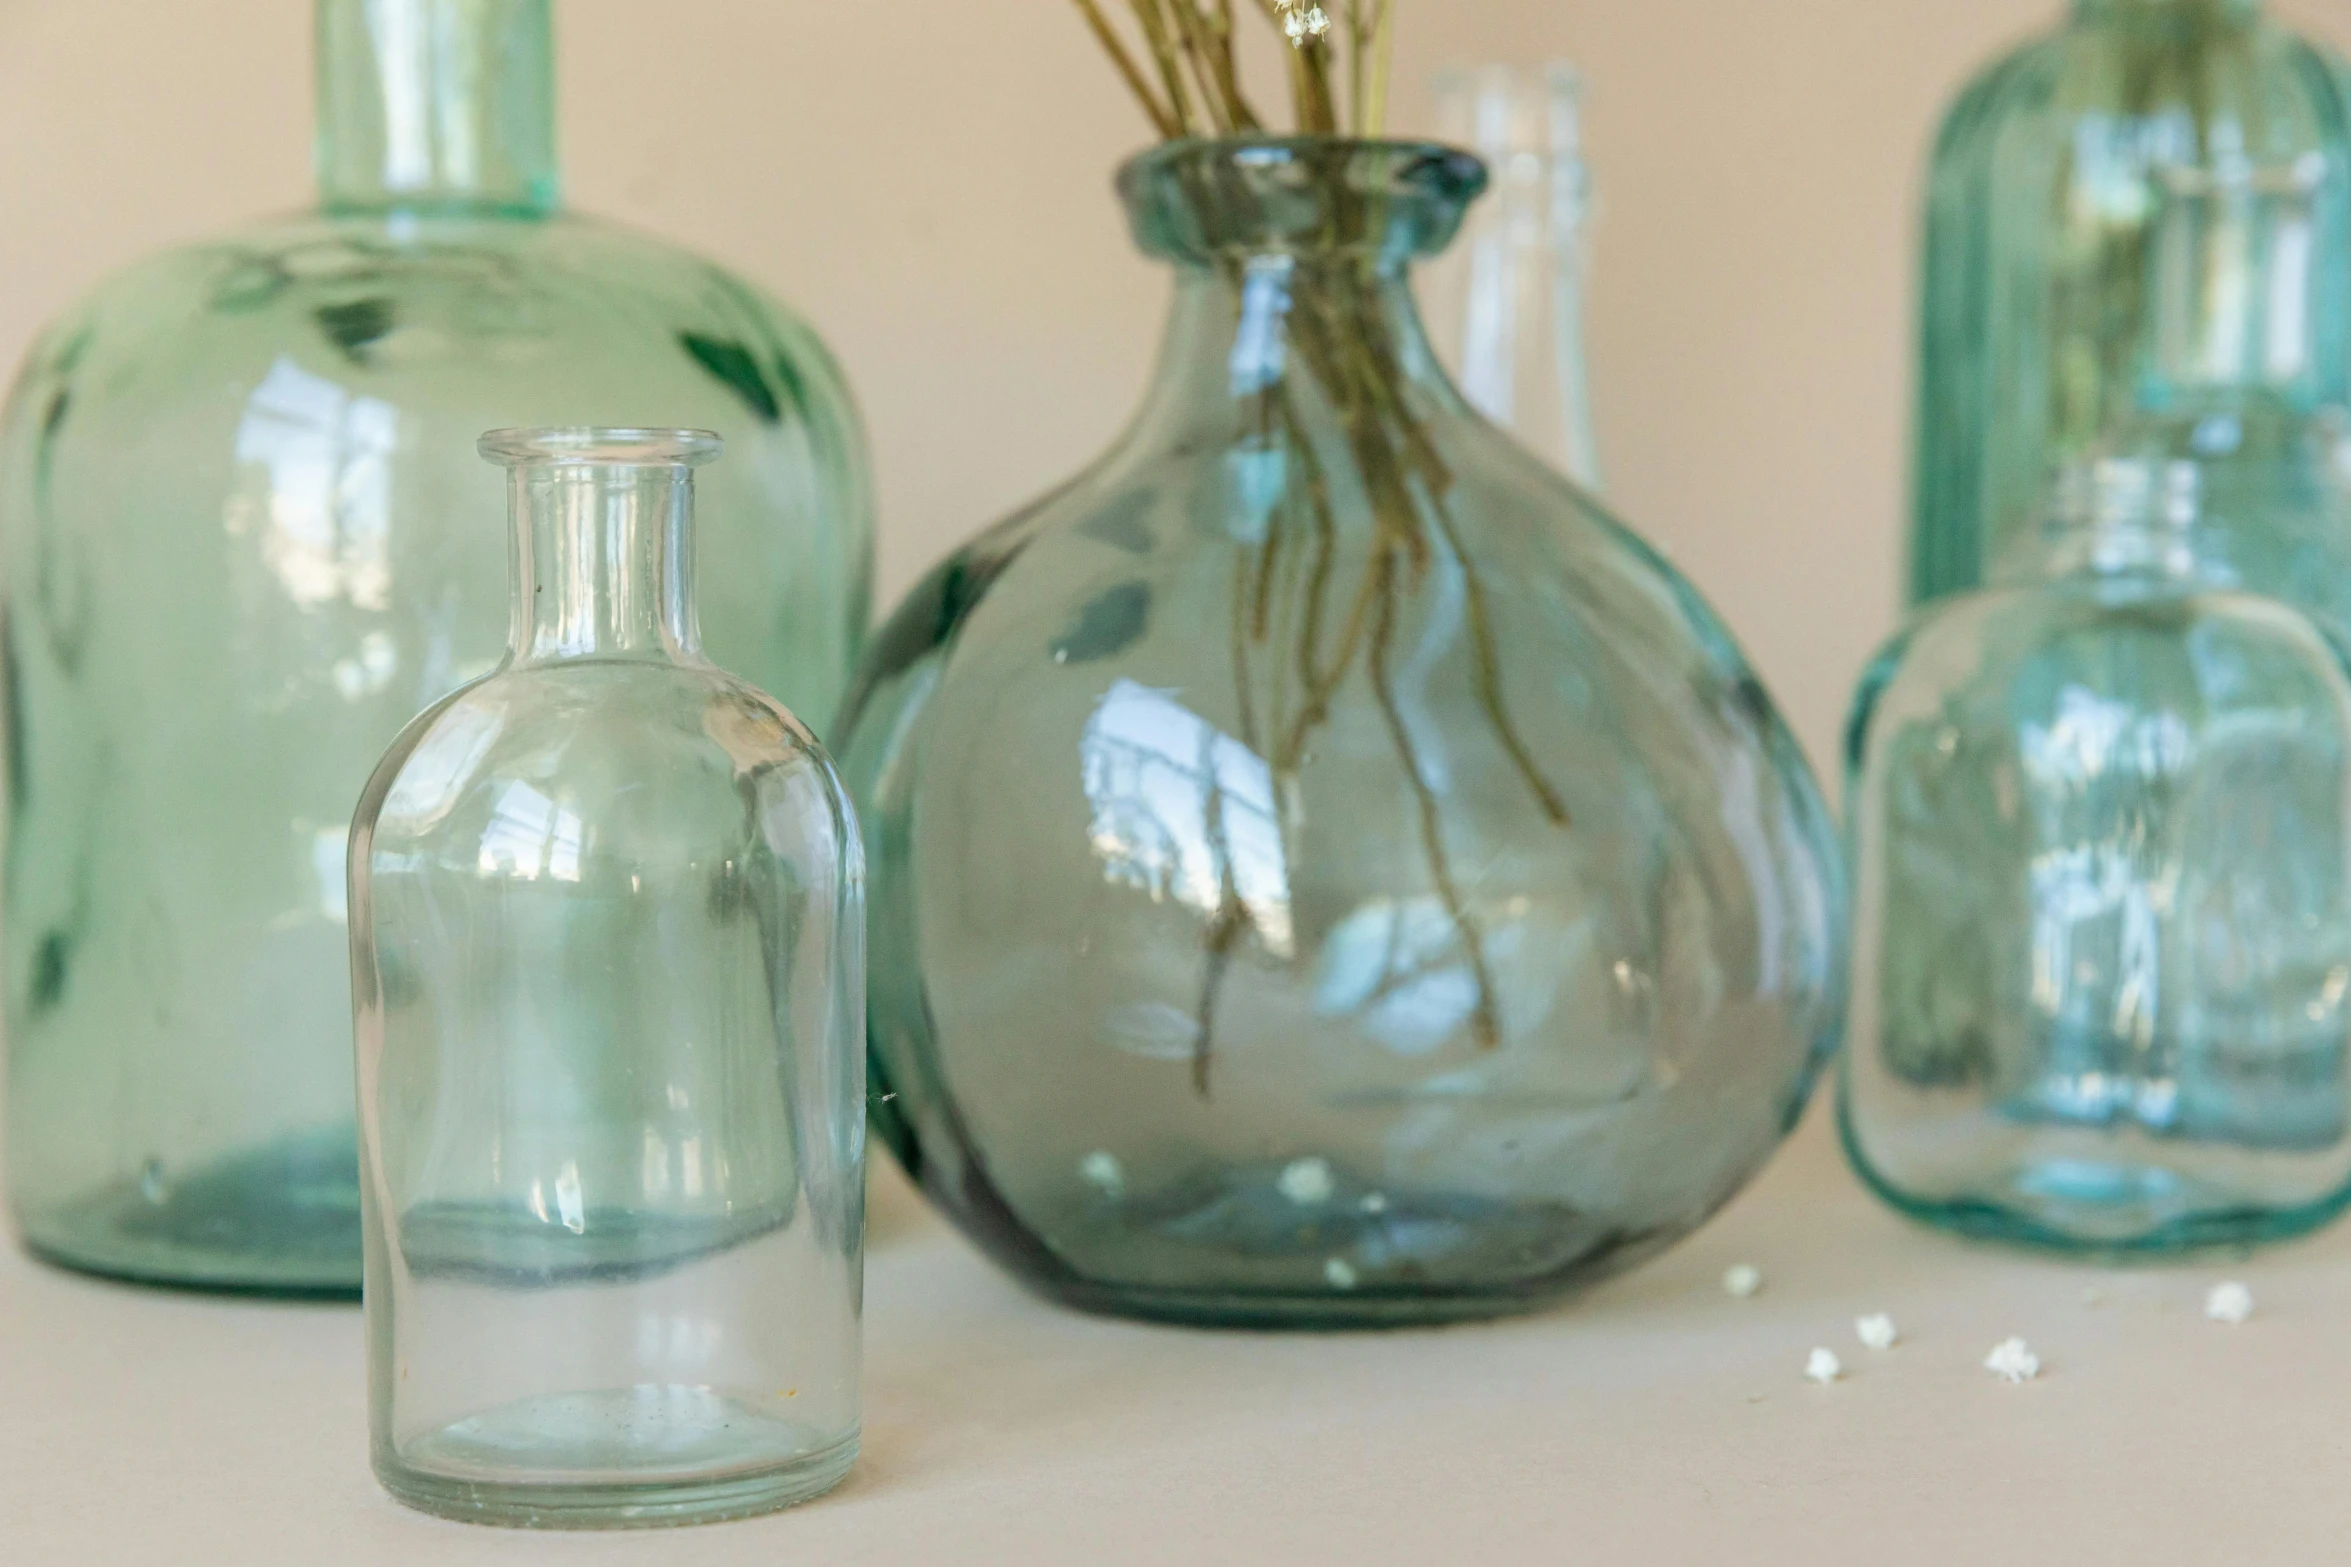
(242,542)
(607,925)
(1326,872)
(2181,159)
(1506,303)
(2102,851)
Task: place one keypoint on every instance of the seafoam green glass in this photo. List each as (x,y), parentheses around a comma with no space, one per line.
(1326,872)
(2102,851)
(607,924)
(2141,219)
(243,540)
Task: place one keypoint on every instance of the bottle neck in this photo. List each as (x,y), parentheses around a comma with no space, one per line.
(1250,325)
(2136,517)
(603,562)
(436,104)
(2166,10)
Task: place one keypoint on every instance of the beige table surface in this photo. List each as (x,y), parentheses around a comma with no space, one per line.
(1654,1421)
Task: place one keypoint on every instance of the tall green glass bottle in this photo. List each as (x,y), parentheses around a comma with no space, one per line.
(2138,238)
(244,538)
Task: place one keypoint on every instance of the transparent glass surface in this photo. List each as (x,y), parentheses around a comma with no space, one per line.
(607,954)
(1326,872)
(2142,216)
(243,540)
(1505,304)
(2103,900)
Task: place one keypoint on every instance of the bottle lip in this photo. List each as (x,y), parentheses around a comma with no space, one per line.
(601,446)
(1197,199)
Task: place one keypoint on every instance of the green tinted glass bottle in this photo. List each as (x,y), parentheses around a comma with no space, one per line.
(2141,220)
(244,539)
(2102,910)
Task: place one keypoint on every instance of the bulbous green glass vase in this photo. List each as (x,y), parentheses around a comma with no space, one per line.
(1324,872)
(2140,222)
(243,539)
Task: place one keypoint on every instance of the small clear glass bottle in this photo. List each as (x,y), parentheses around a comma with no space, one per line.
(607,936)
(1506,303)
(2103,893)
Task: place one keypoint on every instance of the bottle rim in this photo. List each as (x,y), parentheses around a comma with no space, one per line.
(602,446)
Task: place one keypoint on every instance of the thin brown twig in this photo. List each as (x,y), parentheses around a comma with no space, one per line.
(1374,119)
(1199,50)
(1432,819)
(1358,42)
(1125,62)
(1171,71)
(1229,71)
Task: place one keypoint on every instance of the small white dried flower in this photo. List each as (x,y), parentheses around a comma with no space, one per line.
(1876,1332)
(1823,1367)
(1101,1170)
(1742,1281)
(1306,1182)
(2231,1303)
(2013,1360)
(1304,23)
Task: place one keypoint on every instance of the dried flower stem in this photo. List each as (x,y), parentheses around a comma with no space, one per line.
(1161,120)
(1343,354)
(1371,116)
(1168,53)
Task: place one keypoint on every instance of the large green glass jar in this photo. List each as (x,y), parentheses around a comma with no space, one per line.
(2138,235)
(246,539)
(1324,870)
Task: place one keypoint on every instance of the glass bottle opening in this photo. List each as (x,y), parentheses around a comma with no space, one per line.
(1192,201)
(601,446)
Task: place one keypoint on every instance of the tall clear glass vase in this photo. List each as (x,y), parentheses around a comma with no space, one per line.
(1326,871)
(607,953)
(1506,302)
(2143,217)
(243,541)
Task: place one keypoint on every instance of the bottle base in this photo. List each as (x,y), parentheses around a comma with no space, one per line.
(636,1458)
(1307,1247)
(280,1221)
(2106,1211)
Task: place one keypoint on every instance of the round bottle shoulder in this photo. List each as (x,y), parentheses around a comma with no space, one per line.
(2290,84)
(364,294)
(2002,653)
(1115,539)
(598,730)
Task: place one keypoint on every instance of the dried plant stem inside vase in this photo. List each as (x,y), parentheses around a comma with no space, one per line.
(1300,631)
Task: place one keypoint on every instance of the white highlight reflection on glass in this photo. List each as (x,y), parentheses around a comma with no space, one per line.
(328,454)
(1179,806)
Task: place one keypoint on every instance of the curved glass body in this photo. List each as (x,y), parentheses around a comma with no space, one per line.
(2142,217)
(243,541)
(606,951)
(2103,900)
(1325,871)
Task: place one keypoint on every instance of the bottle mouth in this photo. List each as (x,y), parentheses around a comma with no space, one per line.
(1198,200)
(598,446)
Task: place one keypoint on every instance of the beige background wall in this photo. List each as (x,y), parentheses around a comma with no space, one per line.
(927,180)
